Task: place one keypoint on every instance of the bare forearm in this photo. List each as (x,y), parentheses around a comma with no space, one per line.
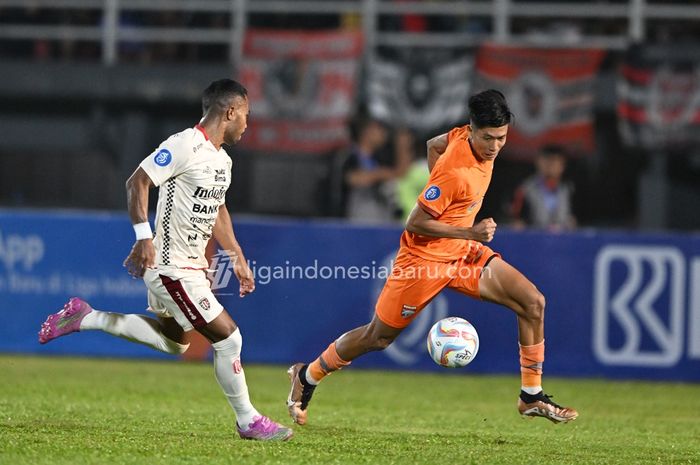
(421,222)
(435,228)
(137,187)
(142,255)
(137,202)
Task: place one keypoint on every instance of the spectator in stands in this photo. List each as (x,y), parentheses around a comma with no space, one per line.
(544,200)
(370,170)
(412,183)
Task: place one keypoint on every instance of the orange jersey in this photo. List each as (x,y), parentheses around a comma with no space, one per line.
(453,195)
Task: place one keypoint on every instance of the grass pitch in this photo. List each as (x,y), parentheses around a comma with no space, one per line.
(99,411)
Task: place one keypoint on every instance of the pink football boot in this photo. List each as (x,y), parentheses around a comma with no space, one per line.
(65,321)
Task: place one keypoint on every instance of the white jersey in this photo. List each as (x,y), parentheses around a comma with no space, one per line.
(193,177)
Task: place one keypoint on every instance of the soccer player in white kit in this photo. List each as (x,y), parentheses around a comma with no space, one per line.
(193,173)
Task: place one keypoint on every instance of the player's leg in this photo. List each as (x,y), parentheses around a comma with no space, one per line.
(304,378)
(171,329)
(226,340)
(77,315)
(501,283)
(218,327)
(406,292)
(187,296)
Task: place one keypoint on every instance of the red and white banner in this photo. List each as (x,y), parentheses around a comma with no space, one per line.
(658,89)
(301,89)
(420,92)
(550,92)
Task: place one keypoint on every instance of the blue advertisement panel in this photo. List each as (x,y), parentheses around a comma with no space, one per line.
(619,305)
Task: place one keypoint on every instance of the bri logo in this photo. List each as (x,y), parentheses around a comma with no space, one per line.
(646,306)
(432,193)
(163,157)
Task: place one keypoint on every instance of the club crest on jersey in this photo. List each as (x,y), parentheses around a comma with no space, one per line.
(432,193)
(204,303)
(163,157)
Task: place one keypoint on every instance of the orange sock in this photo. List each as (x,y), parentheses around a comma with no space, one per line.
(326,363)
(531,359)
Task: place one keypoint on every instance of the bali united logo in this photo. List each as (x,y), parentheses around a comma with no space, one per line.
(204,303)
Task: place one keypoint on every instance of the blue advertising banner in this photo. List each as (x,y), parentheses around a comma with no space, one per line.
(619,305)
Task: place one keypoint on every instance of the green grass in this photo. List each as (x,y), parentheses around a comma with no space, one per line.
(99,411)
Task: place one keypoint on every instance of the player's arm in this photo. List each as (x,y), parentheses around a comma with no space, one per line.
(143,253)
(436,147)
(423,223)
(224,235)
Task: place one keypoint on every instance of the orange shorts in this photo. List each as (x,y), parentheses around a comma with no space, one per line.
(415,281)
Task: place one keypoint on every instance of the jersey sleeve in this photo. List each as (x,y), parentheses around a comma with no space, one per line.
(443,186)
(456,132)
(164,163)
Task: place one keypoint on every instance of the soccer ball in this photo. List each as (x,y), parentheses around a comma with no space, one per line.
(453,342)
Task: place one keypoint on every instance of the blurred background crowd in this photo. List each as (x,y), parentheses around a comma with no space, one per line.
(344,94)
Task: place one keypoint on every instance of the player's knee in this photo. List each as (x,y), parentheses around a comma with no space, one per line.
(534,308)
(230,345)
(174,348)
(380,341)
(372,341)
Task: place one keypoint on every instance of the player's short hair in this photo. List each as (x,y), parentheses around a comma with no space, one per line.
(489,109)
(220,93)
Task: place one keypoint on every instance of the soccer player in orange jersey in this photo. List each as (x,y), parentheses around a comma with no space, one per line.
(442,247)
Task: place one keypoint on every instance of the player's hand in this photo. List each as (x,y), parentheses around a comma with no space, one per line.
(245,277)
(484,230)
(142,256)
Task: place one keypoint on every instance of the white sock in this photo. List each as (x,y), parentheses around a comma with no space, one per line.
(532,390)
(229,374)
(135,328)
(309,378)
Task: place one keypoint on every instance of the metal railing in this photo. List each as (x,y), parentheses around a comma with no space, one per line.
(498,14)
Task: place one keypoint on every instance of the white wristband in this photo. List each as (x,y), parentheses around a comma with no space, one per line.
(143,231)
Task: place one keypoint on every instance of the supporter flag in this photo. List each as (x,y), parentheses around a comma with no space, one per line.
(301,88)
(550,91)
(658,90)
(424,95)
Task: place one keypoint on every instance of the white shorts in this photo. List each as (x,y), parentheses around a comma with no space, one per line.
(182,294)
